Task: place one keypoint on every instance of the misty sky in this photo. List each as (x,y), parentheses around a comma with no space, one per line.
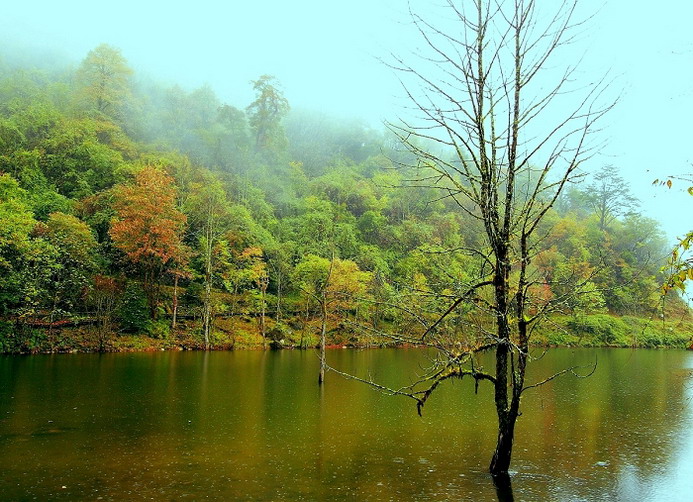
(326,56)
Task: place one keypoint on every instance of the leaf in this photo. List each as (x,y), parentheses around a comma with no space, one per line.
(668,183)
(686,243)
(690,190)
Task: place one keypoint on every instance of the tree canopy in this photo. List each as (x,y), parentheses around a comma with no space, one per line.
(164,211)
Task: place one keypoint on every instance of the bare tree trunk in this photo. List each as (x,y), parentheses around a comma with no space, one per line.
(504,488)
(175,301)
(323,310)
(51,319)
(479,96)
(100,321)
(500,462)
(263,307)
(207,315)
(279,297)
(262,317)
(323,329)
(207,307)
(234,300)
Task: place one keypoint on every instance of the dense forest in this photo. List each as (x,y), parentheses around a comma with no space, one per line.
(136,215)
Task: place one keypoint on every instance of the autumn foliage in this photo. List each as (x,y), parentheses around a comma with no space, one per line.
(148,227)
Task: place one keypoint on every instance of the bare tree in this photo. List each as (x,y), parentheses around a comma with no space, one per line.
(483,92)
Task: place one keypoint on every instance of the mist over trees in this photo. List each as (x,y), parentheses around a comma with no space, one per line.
(154,209)
(103,82)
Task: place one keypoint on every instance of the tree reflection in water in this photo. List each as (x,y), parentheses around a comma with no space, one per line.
(251,425)
(504,487)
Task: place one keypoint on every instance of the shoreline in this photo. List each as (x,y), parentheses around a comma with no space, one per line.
(152,350)
(592,331)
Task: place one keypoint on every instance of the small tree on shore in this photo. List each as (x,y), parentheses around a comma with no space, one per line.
(103,299)
(209,212)
(333,285)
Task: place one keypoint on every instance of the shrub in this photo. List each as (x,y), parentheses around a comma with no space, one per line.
(133,313)
(6,338)
(561,338)
(193,295)
(160,328)
(600,329)
(655,339)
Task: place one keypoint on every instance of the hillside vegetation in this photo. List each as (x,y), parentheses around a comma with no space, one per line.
(139,216)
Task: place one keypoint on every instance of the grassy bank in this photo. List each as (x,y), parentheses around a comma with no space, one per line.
(239,333)
(602,330)
(243,333)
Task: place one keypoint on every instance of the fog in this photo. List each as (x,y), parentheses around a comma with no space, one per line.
(327,56)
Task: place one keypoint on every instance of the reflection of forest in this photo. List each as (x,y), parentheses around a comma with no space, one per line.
(620,418)
(255,425)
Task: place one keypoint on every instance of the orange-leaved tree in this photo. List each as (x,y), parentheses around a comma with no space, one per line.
(148,227)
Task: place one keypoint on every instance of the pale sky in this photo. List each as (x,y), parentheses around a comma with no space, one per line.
(326,56)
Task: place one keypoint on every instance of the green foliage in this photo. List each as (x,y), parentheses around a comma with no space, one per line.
(193,294)
(16,247)
(562,339)
(270,197)
(69,261)
(6,337)
(311,274)
(103,79)
(265,114)
(73,237)
(46,201)
(280,331)
(609,197)
(656,339)
(79,158)
(578,294)
(15,213)
(337,286)
(159,328)
(600,329)
(133,313)
(679,269)
(28,340)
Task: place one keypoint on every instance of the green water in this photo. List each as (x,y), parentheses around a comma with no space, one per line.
(255,426)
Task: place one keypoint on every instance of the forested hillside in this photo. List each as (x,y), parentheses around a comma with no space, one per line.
(137,215)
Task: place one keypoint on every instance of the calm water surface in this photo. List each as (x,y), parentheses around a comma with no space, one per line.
(255,426)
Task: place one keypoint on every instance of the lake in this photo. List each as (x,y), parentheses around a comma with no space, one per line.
(255,426)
